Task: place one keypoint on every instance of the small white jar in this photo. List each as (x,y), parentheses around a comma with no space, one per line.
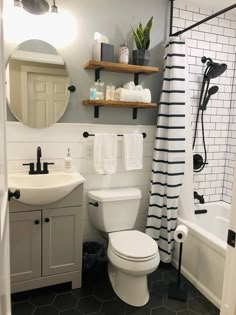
(124,53)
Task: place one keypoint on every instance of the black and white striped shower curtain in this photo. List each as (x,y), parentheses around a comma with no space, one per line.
(169,151)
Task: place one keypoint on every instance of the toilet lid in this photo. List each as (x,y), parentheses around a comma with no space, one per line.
(133,244)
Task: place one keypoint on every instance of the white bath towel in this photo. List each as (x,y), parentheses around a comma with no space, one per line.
(133,151)
(129,85)
(138,87)
(125,95)
(105,153)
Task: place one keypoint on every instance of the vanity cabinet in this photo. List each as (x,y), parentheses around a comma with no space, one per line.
(46,243)
(25,245)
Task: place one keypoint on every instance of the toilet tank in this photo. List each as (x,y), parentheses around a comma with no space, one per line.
(114,209)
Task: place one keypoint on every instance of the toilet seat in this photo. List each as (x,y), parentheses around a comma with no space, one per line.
(133,245)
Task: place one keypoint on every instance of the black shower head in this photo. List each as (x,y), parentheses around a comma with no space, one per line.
(214,69)
(213,90)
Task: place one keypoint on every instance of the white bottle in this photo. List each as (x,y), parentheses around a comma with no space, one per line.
(68,162)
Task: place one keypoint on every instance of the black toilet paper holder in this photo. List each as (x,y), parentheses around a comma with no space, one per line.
(177,290)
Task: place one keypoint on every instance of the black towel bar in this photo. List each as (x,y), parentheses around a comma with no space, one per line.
(86,134)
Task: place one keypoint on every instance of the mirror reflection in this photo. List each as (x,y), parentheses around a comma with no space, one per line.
(37,84)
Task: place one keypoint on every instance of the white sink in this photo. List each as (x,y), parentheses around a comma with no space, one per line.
(44,188)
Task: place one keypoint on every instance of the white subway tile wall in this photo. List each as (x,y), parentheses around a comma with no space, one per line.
(54,141)
(215,39)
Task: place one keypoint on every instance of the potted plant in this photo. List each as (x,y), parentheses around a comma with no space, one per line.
(141,56)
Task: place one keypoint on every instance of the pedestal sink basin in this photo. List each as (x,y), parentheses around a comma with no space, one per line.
(44,188)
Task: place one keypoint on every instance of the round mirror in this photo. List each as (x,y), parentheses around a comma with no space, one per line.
(37,84)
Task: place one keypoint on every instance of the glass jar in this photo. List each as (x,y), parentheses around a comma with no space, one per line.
(99,85)
(92,93)
(124,53)
(101,90)
(110,91)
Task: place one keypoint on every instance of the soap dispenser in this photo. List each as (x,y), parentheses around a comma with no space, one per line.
(68,162)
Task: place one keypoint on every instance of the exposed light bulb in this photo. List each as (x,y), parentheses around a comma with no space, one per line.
(18,4)
(54,7)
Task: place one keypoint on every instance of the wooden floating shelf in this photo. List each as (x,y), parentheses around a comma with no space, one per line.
(118,104)
(119,67)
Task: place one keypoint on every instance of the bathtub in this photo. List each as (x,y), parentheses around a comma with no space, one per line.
(204,250)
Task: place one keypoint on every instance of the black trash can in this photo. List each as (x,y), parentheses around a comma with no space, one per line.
(93,254)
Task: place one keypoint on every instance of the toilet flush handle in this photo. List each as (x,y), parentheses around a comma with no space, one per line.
(95,204)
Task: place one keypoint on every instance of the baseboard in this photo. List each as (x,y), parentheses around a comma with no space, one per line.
(198,285)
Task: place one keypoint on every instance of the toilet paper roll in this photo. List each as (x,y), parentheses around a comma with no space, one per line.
(180,233)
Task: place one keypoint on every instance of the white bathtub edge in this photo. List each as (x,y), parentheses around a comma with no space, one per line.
(211,297)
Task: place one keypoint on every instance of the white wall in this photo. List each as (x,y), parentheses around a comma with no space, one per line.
(215,39)
(54,141)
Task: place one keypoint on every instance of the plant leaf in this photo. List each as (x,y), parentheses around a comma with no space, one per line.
(146,33)
(137,39)
(140,35)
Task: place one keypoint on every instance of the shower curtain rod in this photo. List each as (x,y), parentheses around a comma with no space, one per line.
(198,23)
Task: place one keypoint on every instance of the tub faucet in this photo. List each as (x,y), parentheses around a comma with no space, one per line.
(200,198)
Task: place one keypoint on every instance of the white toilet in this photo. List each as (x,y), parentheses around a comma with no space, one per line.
(132,254)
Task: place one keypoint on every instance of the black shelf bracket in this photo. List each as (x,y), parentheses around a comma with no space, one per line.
(135,112)
(136,77)
(97,73)
(96,111)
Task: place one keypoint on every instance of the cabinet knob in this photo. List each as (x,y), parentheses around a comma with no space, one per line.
(36,222)
(15,194)
(47,220)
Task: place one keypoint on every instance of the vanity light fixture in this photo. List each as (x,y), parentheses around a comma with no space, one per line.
(36,6)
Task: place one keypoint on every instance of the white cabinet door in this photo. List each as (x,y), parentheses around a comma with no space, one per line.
(61,246)
(25,245)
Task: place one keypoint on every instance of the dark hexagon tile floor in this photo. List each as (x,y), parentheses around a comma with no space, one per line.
(96,297)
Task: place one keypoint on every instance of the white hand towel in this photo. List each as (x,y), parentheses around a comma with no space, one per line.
(133,151)
(105,153)
(129,85)
(139,96)
(146,96)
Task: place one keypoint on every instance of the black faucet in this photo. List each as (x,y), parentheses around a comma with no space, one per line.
(39,169)
(39,155)
(200,198)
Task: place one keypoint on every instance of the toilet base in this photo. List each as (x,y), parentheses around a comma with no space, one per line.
(133,290)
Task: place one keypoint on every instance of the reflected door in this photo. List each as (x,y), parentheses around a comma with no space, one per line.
(46,100)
